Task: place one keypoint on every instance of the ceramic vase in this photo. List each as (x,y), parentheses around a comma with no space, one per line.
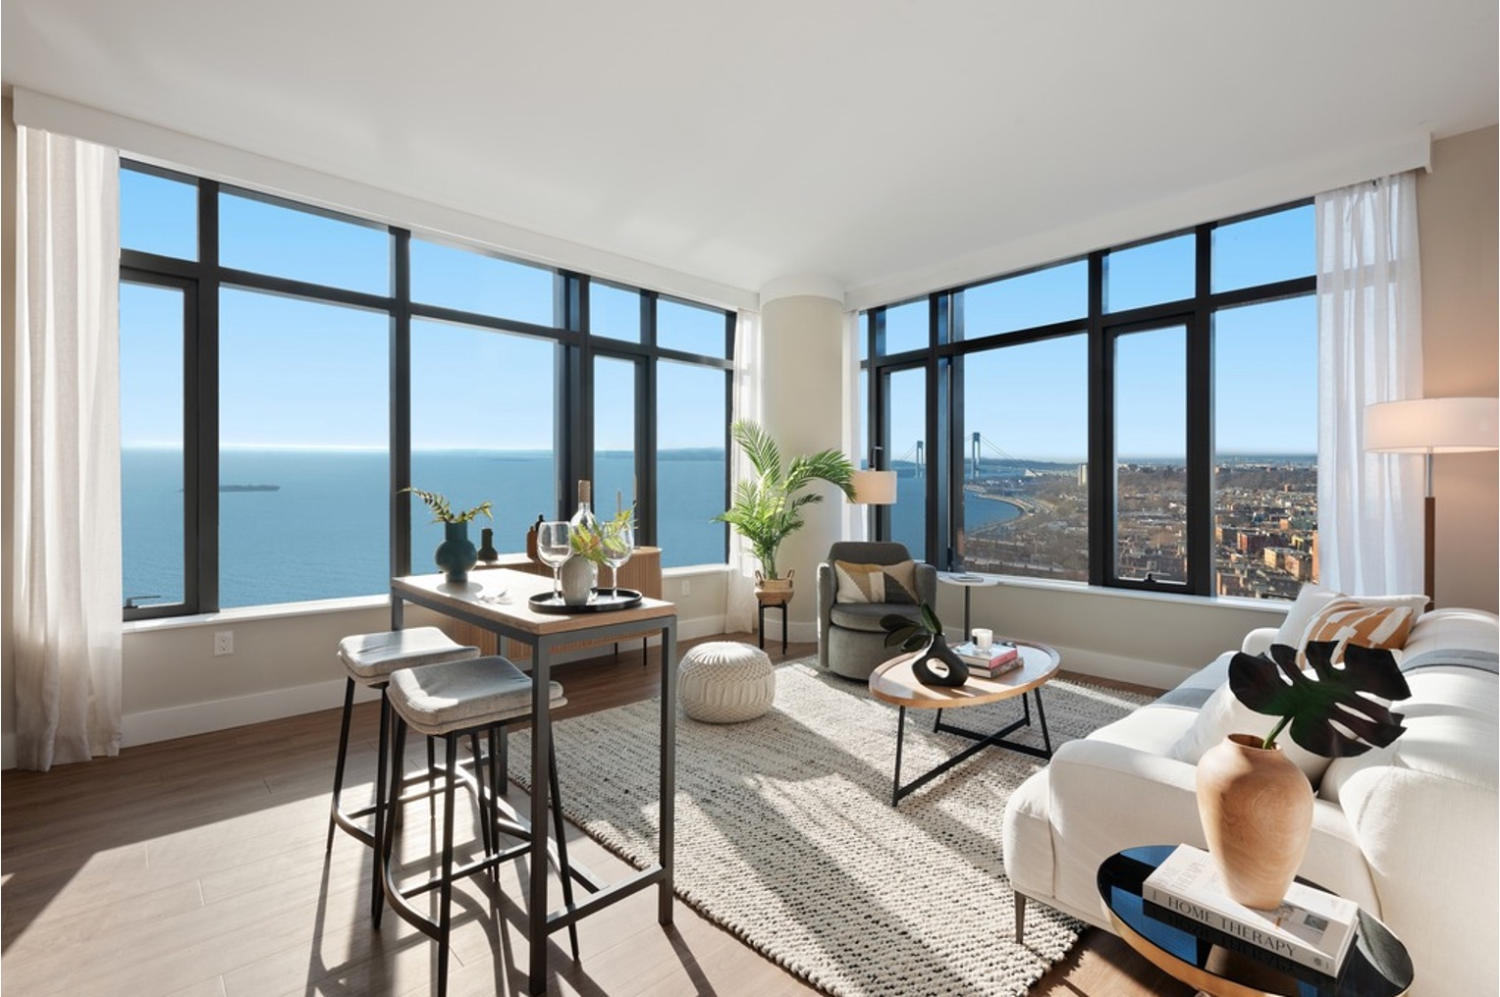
(939,653)
(456,554)
(1257,808)
(578,577)
(487,551)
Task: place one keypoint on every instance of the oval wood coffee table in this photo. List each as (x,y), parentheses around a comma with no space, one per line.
(893,682)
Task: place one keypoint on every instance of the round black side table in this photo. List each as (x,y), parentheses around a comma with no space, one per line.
(1377,964)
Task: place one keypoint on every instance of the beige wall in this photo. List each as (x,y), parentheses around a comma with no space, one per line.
(805,409)
(1457,210)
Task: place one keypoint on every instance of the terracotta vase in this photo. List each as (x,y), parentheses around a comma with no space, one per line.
(1256,807)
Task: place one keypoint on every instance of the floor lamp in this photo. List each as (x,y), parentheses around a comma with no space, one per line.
(1432,426)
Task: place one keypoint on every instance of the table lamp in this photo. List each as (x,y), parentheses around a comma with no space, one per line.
(874,487)
(1430,426)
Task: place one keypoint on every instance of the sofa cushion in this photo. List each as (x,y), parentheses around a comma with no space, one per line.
(865,616)
(882,583)
(1346,620)
(1223,715)
(1314,603)
(1309,603)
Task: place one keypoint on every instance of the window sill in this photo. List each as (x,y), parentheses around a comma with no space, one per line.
(317,607)
(1083,588)
(272,611)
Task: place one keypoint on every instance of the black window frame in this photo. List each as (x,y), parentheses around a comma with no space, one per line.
(943,357)
(203,278)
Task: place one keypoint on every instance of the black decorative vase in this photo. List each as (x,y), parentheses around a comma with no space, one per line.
(939,653)
(487,552)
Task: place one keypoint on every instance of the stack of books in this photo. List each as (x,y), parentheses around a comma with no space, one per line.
(1311,930)
(998,658)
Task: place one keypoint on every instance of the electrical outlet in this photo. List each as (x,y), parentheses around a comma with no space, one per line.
(223,643)
(687,586)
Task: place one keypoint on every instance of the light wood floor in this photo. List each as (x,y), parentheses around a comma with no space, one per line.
(195,868)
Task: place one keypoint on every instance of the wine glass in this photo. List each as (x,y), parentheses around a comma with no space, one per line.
(618,543)
(552,548)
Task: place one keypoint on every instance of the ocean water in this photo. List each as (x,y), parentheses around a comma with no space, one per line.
(324,532)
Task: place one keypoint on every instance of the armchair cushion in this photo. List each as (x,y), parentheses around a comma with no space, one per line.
(860,616)
(875,583)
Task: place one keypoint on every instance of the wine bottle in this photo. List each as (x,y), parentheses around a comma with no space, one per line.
(583,528)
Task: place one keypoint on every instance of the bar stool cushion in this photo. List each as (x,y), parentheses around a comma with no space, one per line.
(458,695)
(725,682)
(370,658)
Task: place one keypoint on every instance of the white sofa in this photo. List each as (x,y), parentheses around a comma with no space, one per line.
(1411,832)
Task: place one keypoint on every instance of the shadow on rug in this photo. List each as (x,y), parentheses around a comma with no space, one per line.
(786,835)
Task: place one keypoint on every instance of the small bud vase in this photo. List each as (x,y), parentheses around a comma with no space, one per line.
(1257,809)
(578,576)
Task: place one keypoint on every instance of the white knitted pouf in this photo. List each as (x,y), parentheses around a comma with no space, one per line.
(724,682)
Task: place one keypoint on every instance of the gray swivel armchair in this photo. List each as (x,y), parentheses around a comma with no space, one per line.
(851,642)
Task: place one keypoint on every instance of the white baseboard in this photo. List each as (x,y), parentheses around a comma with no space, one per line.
(222,714)
(1136,671)
(150,726)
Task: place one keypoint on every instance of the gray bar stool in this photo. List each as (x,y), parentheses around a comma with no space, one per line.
(452,701)
(369,660)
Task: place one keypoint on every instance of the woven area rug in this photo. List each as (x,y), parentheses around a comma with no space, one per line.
(786,835)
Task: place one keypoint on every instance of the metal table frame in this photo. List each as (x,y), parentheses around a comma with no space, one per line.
(493,618)
(982,741)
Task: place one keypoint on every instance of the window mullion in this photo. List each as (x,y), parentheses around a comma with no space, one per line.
(203,402)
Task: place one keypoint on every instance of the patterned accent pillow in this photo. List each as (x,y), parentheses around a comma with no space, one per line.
(1346,620)
(875,582)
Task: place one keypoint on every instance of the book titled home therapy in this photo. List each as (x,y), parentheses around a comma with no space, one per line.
(1311,927)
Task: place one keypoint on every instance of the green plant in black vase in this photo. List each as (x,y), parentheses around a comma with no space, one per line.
(925,635)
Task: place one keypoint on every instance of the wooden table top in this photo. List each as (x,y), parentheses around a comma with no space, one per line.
(502,593)
(893,682)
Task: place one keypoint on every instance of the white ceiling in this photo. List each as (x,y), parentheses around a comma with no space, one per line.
(857,140)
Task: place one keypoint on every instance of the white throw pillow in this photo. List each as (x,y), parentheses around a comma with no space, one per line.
(1311,600)
(1223,715)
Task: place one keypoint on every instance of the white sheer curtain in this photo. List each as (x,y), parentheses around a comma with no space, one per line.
(739,594)
(65,588)
(856,525)
(1369,350)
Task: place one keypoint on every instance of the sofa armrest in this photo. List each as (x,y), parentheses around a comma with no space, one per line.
(926,583)
(1106,797)
(825,607)
(1258,641)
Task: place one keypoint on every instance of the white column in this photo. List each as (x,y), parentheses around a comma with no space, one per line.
(802,329)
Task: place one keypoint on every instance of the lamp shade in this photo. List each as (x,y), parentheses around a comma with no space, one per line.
(875,487)
(1433,425)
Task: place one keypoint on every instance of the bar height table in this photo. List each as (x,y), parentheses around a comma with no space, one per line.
(497,601)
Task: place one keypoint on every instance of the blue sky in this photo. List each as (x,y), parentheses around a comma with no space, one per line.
(1031,401)
(297,373)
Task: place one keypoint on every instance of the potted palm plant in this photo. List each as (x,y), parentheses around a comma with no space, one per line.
(767,507)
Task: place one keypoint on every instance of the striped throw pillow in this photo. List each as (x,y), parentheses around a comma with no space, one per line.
(875,582)
(1346,621)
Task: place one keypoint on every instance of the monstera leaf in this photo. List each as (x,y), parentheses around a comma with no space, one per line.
(1312,705)
(909,634)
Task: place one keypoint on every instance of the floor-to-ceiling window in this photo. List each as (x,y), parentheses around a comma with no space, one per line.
(286,371)
(1142,417)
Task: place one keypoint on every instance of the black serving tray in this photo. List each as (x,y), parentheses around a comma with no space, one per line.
(604,601)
